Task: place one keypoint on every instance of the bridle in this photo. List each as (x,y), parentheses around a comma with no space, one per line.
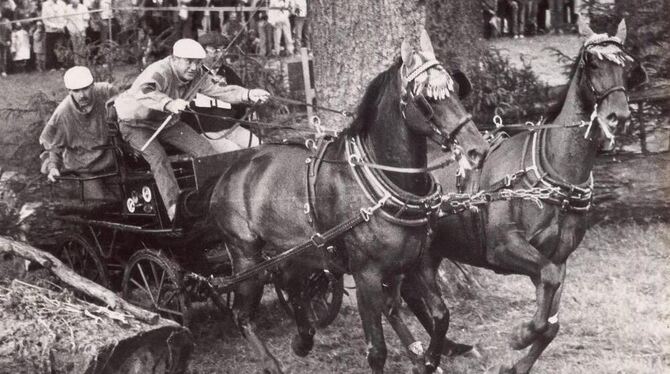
(444,140)
(599,96)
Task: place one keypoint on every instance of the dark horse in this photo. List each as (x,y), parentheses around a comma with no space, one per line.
(265,203)
(528,237)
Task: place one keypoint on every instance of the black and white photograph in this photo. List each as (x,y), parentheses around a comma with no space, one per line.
(354,186)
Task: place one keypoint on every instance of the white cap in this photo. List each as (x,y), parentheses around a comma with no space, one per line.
(188,48)
(78,77)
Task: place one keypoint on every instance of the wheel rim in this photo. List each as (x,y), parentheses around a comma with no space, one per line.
(152,287)
(79,255)
(324,293)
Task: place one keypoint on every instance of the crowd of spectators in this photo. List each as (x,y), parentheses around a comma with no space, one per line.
(66,34)
(519,18)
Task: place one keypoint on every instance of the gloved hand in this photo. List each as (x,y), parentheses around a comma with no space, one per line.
(53,174)
(257,95)
(176,105)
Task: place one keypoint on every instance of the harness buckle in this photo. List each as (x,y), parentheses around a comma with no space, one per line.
(318,241)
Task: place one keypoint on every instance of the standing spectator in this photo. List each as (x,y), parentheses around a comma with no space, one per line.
(5,43)
(278,17)
(20,47)
(7,8)
(38,45)
(232,28)
(531,6)
(106,17)
(265,33)
(77,22)
(519,10)
(556,7)
(54,26)
(300,23)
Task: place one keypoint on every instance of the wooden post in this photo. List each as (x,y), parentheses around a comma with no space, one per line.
(309,91)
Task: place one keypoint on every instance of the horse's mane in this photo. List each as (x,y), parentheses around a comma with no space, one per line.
(368,108)
(555,109)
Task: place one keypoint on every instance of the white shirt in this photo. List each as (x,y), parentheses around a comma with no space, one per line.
(77,22)
(50,9)
(279,15)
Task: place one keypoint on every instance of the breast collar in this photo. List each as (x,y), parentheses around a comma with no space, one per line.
(397,205)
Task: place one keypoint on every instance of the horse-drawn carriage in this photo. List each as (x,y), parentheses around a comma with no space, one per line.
(127,242)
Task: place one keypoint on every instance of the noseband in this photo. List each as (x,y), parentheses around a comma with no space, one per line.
(445,141)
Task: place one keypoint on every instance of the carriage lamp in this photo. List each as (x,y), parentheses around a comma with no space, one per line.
(146,194)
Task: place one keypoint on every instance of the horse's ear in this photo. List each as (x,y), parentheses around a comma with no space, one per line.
(406,52)
(425,43)
(464,85)
(621,31)
(584,28)
(636,76)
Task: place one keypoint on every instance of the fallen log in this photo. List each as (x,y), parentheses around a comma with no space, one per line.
(50,331)
(74,280)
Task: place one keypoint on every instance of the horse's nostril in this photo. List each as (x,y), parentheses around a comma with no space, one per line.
(612,118)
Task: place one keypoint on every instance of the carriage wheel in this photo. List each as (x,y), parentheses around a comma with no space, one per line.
(325,291)
(153,281)
(80,255)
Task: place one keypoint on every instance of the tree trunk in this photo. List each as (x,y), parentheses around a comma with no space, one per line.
(456,30)
(353,41)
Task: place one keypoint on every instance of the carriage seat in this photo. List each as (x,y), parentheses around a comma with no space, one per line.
(125,148)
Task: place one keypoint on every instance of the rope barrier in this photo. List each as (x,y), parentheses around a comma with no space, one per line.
(150,9)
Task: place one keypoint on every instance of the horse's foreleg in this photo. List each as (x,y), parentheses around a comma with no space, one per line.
(439,314)
(546,336)
(303,342)
(414,348)
(420,309)
(370,299)
(516,254)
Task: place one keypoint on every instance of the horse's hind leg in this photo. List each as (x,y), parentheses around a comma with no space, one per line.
(543,339)
(304,341)
(247,299)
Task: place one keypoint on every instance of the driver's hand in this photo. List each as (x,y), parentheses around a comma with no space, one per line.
(176,105)
(53,174)
(257,95)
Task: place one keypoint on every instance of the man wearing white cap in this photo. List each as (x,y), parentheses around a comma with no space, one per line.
(76,130)
(161,89)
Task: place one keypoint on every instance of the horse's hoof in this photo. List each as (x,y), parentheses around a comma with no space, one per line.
(302,347)
(456,349)
(522,337)
(271,367)
(504,369)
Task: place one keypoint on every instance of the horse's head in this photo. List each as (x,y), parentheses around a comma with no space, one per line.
(604,79)
(430,102)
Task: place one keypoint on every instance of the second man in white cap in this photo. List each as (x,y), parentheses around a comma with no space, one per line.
(74,136)
(161,89)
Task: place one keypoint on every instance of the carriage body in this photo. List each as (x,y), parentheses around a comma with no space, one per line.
(127,242)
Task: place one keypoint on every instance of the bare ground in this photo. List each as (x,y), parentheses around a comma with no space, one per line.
(614,319)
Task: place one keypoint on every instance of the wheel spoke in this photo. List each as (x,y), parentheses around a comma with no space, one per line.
(144,278)
(160,286)
(67,258)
